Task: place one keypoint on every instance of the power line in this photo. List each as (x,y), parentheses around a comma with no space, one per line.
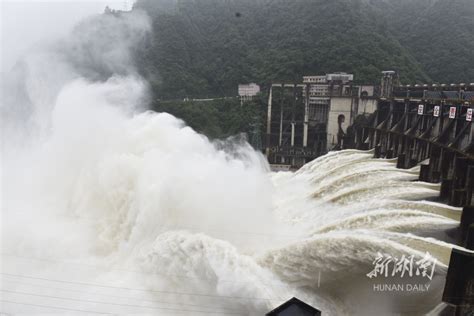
(56,307)
(119,304)
(271,285)
(136,289)
(116,296)
(132,271)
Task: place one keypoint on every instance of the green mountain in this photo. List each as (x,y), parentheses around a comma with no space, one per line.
(438,34)
(205,48)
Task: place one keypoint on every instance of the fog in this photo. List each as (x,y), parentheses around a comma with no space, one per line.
(27,22)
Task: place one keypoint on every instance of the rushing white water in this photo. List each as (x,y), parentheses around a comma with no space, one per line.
(109,209)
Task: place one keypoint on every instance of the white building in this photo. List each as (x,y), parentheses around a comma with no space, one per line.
(306,120)
(314,79)
(340,77)
(248,90)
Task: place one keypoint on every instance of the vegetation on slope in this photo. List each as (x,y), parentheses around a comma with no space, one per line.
(205,48)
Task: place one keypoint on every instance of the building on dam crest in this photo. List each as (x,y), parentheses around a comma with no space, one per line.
(307,119)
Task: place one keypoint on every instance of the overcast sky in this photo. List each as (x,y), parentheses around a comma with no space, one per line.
(25,22)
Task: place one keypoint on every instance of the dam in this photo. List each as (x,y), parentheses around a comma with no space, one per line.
(148,216)
(428,127)
(433,127)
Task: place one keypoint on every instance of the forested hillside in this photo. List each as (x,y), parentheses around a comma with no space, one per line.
(438,34)
(205,48)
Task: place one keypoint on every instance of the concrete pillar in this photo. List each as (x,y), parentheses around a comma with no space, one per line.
(435,154)
(396,147)
(411,160)
(459,287)
(469,184)
(445,165)
(412,163)
(401,161)
(377,151)
(425,173)
(457,197)
(292,134)
(388,143)
(459,174)
(372,138)
(467,219)
(445,191)
(469,241)
(435,176)
(385,144)
(306,116)
(269,123)
(280,139)
(415,153)
(390,153)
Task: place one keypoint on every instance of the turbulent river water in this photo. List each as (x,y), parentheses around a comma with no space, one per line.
(112,210)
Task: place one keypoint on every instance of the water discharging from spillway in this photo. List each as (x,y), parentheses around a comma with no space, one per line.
(107,209)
